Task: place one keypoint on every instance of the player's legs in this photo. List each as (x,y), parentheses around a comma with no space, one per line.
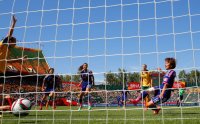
(143,95)
(47,103)
(153,105)
(124,98)
(53,96)
(87,92)
(4,108)
(118,103)
(124,104)
(179,100)
(155,101)
(8,99)
(147,98)
(178,103)
(150,104)
(81,100)
(43,98)
(81,95)
(50,96)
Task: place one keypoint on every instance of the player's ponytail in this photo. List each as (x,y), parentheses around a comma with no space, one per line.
(81,67)
(51,70)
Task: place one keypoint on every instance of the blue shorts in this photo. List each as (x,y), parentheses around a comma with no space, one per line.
(48,90)
(156,99)
(86,85)
(124,97)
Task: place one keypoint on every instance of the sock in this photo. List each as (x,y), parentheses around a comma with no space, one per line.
(146,99)
(80,102)
(53,102)
(90,103)
(89,100)
(49,98)
(41,103)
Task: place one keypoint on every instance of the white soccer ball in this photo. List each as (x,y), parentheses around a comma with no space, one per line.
(21,107)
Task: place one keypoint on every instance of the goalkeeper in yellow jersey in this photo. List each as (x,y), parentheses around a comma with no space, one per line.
(146,81)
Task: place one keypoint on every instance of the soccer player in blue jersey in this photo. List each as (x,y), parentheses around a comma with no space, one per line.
(125,97)
(87,81)
(50,83)
(163,92)
(118,100)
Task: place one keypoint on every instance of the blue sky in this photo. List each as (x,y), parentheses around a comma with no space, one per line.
(117,36)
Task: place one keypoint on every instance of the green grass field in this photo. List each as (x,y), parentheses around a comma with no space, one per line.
(111,115)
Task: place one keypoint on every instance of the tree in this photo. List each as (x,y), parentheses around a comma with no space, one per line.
(76,78)
(121,77)
(110,78)
(183,76)
(194,77)
(66,78)
(133,77)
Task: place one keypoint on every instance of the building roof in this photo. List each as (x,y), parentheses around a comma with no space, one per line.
(27,61)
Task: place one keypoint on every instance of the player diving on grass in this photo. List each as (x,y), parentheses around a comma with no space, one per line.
(87,81)
(50,83)
(163,92)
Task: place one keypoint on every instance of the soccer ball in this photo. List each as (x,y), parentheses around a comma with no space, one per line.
(21,107)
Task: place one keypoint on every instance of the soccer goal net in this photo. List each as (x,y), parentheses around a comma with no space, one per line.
(99,61)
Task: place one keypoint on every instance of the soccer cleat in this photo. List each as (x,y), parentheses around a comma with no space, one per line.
(47,107)
(156,111)
(124,107)
(89,107)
